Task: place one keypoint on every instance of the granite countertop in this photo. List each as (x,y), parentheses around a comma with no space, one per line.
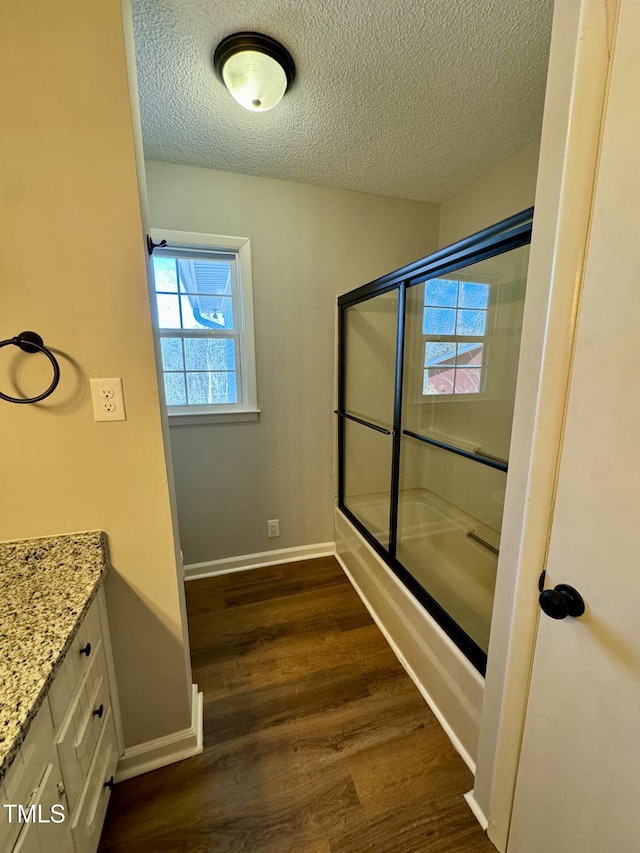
(46,587)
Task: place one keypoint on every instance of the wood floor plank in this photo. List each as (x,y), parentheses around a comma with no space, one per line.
(315,693)
(294,845)
(289,658)
(316,740)
(438,825)
(231,813)
(326,567)
(223,631)
(311,574)
(420,764)
(233,637)
(358,619)
(324,740)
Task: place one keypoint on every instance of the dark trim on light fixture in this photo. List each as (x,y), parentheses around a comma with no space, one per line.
(254,41)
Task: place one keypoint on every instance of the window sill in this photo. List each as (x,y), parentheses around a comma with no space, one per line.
(239,416)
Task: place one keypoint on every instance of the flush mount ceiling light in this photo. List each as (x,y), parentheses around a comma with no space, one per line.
(255,68)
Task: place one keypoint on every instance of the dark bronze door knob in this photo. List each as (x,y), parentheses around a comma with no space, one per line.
(562,601)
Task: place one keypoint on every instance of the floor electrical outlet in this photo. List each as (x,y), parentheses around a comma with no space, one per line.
(108,399)
(273,528)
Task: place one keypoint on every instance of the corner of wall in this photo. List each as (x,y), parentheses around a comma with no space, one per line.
(506,189)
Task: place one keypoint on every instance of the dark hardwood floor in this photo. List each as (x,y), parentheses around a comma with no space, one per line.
(316,740)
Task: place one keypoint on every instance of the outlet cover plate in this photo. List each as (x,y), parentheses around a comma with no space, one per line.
(107,398)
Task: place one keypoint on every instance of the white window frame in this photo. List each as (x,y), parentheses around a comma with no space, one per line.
(485,340)
(416,341)
(246,409)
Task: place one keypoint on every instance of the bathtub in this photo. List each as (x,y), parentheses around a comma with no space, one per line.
(457,570)
(450,684)
(434,546)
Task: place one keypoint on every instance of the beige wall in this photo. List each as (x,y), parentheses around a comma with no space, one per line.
(308,244)
(72,268)
(506,189)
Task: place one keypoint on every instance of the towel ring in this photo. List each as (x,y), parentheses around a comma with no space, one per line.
(32,342)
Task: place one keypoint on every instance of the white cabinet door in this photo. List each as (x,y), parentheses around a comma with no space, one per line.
(45,832)
(578,788)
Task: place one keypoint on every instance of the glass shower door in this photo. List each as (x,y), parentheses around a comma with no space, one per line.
(368,359)
(428,362)
(462,343)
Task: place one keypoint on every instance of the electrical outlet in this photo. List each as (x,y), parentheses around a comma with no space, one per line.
(273,528)
(108,399)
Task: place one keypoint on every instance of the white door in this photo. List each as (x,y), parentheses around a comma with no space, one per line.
(578,787)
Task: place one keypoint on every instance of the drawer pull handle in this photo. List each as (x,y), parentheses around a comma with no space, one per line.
(99,712)
(109,784)
(87,650)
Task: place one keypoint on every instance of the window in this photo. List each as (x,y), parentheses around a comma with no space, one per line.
(203,300)
(454,326)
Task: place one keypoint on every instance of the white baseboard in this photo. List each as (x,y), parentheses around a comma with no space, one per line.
(165,750)
(477,811)
(437,713)
(195,571)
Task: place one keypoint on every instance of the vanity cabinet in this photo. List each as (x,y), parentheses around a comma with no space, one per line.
(34,782)
(67,762)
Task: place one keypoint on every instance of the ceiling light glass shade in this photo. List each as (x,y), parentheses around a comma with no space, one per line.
(255,80)
(256,69)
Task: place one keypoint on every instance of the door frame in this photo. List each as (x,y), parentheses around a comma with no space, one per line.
(579,68)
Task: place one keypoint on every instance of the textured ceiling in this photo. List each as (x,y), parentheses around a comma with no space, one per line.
(407,98)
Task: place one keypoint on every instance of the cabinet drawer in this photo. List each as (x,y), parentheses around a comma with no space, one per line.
(85,645)
(89,815)
(82,726)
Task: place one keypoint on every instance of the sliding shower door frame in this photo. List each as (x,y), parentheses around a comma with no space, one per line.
(502,237)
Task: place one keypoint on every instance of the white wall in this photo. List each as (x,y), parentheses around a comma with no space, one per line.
(308,245)
(73,269)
